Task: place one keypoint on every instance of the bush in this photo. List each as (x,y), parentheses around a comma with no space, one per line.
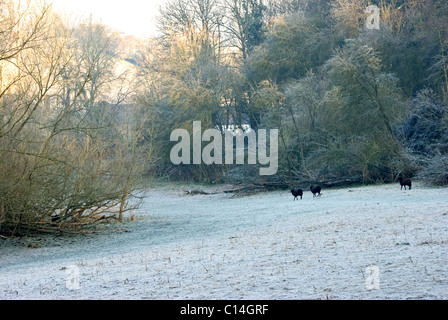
(425,130)
(425,135)
(435,170)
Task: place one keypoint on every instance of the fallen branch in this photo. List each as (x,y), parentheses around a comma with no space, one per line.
(196,192)
(258,187)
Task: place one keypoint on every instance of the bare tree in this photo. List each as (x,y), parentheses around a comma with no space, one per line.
(67,142)
(245,26)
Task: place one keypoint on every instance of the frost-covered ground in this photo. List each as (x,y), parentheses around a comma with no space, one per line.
(376,242)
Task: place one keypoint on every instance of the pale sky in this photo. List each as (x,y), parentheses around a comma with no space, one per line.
(134,17)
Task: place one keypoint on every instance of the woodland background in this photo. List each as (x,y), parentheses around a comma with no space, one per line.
(86,114)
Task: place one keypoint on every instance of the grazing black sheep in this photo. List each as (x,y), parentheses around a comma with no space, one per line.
(315,190)
(297,193)
(404,183)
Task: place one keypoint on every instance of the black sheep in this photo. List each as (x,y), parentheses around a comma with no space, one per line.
(404,183)
(297,193)
(315,190)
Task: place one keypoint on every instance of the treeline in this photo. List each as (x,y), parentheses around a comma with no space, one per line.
(352,103)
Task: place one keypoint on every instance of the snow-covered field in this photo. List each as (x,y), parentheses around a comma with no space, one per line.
(375,242)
